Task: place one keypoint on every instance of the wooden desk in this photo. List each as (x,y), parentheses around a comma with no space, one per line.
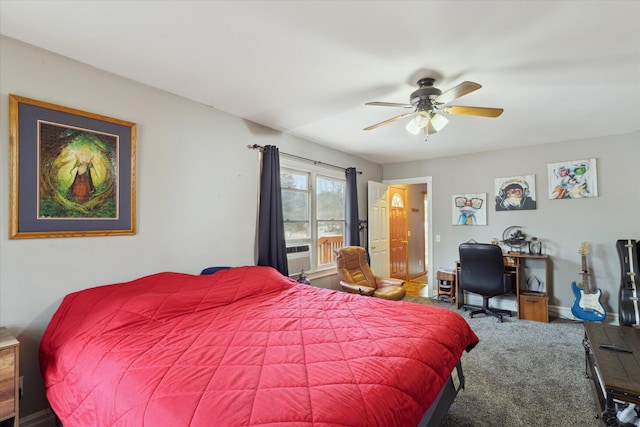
(615,375)
(529,305)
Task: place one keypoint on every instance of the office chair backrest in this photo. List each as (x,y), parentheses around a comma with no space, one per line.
(481,268)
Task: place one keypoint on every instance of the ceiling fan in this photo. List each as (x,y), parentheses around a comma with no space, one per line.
(427,101)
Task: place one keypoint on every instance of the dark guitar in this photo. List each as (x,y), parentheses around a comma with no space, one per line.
(628,312)
(586,305)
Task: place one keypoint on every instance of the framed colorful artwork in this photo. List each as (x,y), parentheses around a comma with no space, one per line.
(469,209)
(515,193)
(575,179)
(72,173)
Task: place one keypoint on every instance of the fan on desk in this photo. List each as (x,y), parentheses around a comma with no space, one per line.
(514,238)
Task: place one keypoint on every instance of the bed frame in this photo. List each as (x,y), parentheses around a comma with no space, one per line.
(437,411)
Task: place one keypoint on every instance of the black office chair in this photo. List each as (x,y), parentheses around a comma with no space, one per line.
(482,272)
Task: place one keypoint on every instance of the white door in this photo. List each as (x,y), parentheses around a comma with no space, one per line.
(378,210)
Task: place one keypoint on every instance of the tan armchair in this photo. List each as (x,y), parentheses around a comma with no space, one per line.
(356,277)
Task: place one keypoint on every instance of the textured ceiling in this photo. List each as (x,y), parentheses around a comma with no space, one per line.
(562,70)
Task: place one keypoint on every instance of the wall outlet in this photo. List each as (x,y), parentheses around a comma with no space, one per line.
(437,238)
(21,387)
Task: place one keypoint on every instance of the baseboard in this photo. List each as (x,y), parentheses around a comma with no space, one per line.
(44,418)
(509,303)
(561,312)
(565,313)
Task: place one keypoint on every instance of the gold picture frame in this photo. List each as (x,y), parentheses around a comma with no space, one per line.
(72,173)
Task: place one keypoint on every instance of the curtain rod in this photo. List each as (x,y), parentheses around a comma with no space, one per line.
(293,156)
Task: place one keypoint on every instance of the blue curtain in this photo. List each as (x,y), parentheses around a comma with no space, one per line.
(352,228)
(272,248)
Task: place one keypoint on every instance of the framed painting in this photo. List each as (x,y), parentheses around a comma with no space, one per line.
(469,209)
(72,173)
(515,193)
(575,179)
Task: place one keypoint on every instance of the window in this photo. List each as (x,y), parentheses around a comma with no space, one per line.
(313,208)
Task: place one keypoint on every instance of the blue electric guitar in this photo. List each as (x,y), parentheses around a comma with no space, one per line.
(586,305)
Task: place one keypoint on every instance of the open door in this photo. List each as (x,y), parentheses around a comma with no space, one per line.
(378,226)
(398,232)
(420,255)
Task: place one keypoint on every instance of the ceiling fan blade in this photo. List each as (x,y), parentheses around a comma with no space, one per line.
(473,111)
(389,104)
(456,92)
(391,120)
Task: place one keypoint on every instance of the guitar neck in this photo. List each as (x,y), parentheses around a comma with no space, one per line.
(585,275)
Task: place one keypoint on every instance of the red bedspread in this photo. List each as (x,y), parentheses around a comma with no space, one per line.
(245,346)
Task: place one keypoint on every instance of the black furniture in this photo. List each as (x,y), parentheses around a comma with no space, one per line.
(612,358)
(482,272)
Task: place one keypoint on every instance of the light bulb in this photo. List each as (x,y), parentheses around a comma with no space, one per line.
(421,119)
(437,123)
(418,122)
(412,128)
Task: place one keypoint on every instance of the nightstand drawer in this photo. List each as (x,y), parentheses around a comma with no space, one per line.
(8,376)
(7,382)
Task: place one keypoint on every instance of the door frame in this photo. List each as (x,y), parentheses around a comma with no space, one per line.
(431,270)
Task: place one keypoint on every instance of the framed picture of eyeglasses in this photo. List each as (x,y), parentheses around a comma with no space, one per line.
(469,209)
(574,179)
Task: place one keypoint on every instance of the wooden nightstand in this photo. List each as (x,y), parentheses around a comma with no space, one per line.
(9,377)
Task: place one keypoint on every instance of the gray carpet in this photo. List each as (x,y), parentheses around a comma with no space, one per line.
(523,373)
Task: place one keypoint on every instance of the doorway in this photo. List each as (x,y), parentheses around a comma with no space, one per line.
(380,227)
(398,232)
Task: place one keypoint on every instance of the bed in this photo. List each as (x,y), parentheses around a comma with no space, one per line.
(248,346)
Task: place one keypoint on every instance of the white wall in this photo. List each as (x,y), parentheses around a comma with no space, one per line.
(197,189)
(561,224)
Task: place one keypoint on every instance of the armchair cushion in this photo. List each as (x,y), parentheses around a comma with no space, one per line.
(386,281)
(392,292)
(357,289)
(355,276)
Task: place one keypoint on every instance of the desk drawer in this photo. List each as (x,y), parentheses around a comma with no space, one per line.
(534,307)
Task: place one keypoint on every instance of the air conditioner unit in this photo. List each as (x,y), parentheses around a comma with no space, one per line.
(299,258)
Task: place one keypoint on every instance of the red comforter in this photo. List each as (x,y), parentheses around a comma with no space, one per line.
(245,346)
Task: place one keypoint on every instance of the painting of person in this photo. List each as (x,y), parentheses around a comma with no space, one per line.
(77,173)
(82,187)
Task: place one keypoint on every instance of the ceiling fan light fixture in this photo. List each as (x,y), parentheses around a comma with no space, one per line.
(437,123)
(412,128)
(420,121)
